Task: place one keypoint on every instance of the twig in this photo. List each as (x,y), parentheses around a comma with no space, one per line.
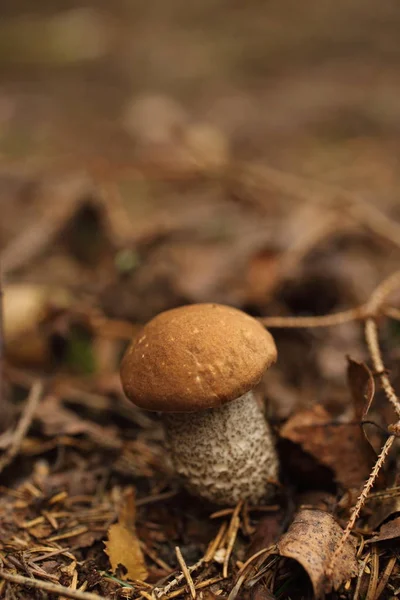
(159,592)
(353,314)
(373,580)
(232,533)
(46,586)
(199,586)
(23,425)
(361,572)
(385,577)
(185,572)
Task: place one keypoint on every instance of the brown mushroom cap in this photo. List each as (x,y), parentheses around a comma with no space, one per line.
(196,357)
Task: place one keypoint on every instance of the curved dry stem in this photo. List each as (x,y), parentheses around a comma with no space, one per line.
(345,316)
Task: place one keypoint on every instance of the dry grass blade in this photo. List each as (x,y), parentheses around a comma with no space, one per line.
(51,588)
(385,577)
(185,572)
(231,535)
(28,413)
(373,580)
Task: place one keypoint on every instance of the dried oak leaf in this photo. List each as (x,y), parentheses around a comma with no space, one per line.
(123,545)
(311,541)
(339,446)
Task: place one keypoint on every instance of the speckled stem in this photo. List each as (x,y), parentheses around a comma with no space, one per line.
(224,454)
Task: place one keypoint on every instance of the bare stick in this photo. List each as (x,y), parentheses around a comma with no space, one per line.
(345,316)
(231,536)
(46,586)
(185,572)
(23,425)
(164,591)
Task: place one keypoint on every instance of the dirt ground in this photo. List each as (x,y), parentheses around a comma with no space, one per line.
(159,154)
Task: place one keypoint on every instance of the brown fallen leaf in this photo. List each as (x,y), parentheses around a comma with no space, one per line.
(311,541)
(362,386)
(388,531)
(339,446)
(123,545)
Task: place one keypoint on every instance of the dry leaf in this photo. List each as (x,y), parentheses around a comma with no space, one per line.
(383,509)
(388,531)
(362,387)
(339,446)
(123,545)
(311,541)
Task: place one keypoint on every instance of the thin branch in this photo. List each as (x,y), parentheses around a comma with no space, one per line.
(231,536)
(185,572)
(353,314)
(23,425)
(46,586)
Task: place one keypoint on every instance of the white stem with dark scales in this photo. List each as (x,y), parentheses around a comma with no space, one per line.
(224,454)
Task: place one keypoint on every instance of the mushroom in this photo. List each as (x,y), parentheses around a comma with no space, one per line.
(199,365)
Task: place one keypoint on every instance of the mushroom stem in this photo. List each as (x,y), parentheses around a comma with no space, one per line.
(224,454)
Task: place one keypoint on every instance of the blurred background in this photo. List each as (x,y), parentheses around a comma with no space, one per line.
(160,153)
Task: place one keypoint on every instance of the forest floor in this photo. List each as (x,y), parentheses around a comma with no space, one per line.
(124,191)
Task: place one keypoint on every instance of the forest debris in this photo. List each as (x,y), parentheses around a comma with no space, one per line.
(46,586)
(388,531)
(362,387)
(311,540)
(383,505)
(185,572)
(25,421)
(123,546)
(339,446)
(58,420)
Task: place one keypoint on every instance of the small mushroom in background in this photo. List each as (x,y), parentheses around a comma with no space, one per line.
(199,365)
